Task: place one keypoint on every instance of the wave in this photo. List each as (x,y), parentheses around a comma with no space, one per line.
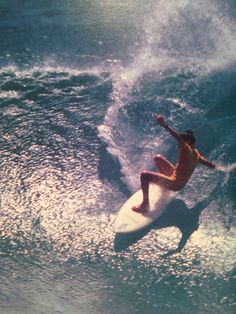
(182,45)
(53,203)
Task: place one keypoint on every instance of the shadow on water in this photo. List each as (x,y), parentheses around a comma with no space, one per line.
(109,169)
(178,215)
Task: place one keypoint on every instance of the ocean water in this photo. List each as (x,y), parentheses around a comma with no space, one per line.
(81,82)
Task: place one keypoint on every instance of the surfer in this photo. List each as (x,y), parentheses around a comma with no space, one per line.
(171,177)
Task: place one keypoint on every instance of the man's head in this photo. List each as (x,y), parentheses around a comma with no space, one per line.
(188,137)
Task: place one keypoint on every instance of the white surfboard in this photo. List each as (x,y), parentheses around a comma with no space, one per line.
(128,221)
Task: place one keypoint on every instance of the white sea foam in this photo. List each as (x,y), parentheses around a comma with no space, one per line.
(176,35)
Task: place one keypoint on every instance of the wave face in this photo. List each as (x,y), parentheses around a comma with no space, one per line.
(81,83)
(185,55)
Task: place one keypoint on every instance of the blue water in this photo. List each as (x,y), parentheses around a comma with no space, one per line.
(81,82)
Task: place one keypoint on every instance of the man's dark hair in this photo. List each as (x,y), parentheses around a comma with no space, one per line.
(188,136)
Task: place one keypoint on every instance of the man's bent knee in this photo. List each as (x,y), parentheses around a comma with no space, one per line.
(145,176)
(158,158)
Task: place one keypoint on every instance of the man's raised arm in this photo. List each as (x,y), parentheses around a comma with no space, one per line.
(160,120)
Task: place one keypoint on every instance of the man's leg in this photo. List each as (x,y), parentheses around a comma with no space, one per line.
(164,166)
(146,178)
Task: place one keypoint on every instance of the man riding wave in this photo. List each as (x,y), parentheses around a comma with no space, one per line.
(171,177)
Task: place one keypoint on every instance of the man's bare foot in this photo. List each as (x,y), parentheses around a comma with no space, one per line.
(141,208)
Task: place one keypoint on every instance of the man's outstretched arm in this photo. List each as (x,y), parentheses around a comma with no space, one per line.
(206,162)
